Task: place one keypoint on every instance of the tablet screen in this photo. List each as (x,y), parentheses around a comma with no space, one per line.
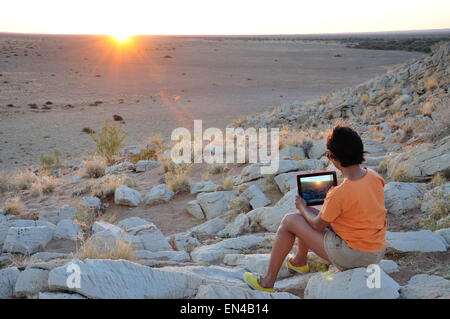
(313,187)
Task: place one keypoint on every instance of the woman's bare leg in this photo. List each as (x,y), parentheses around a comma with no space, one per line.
(292,225)
(300,258)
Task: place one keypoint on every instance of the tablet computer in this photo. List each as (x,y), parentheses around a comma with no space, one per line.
(313,187)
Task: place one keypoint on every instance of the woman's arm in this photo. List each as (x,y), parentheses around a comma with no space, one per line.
(311,214)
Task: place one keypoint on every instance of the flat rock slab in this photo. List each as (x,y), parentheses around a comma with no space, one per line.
(230,292)
(351,284)
(27,240)
(423,240)
(426,287)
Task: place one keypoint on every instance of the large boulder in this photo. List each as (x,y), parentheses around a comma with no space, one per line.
(235,228)
(269,218)
(215,253)
(253,171)
(106,235)
(6,225)
(423,240)
(119,279)
(318,149)
(214,291)
(158,195)
(194,209)
(119,168)
(351,284)
(200,187)
(147,237)
(67,229)
(400,197)
(146,165)
(292,152)
(426,287)
(215,204)
(422,162)
(127,196)
(210,227)
(132,222)
(8,279)
(183,241)
(288,181)
(55,216)
(256,197)
(30,282)
(27,240)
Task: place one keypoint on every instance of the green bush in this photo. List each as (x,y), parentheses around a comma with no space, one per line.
(109,140)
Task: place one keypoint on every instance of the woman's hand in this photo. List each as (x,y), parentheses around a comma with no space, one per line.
(300,203)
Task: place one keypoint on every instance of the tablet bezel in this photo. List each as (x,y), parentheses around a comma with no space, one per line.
(299,188)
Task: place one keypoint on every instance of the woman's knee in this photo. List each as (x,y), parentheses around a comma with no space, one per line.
(289,220)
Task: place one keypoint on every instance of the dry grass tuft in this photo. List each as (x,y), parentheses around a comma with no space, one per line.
(430,82)
(6,183)
(43,185)
(92,249)
(12,206)
(218,168)
(228,184)
(95,168)
(438,180)
(107,188)
(24,179)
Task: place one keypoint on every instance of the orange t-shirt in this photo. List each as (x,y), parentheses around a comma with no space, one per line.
(357,213)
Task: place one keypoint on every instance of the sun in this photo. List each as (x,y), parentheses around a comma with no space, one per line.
(122,37)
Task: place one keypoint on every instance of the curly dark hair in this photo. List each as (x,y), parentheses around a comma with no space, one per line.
(345,145)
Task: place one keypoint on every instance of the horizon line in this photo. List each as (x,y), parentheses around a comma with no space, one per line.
(444,30)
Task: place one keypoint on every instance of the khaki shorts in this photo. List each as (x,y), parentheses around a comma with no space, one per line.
(344,257)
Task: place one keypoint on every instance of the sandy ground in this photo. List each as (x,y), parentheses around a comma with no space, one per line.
(157,84)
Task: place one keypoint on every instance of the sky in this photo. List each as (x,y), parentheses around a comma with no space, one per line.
(133,17)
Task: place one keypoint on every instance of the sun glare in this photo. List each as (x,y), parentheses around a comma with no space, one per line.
(121,38)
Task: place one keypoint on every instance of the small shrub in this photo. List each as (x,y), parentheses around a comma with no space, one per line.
(228,184)
(110,140)
(12,206)
(43,185)
(438,180)
(239,204)
(438,217)
(149,153)
(217,168)
(24,179)
(6,184)
(50,162)
(178,182)
(107,188)
(430,82)
(95,169)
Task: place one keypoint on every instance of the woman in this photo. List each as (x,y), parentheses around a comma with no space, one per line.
(350,229)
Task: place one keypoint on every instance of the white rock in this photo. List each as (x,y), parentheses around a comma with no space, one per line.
(297,282)
(106,236)
(426,287)
(67,229)
(27,240)
(256,197)
(8,279)
(351,284)
(215,253)
(269,218)
(158,195)
(253,171)
(288,181)
(287,202)
(400,197)
(183,241)
(127,196)
(231,292)
(215,204)
(211,227)
(258,263)
(4,226)
(147,237)
(423,240)
(132,222)
(194,209)
(444,233)
(235,228)
(199,187)
(119,168)
(47,256)
(92,203)
(30,282)
(146,165)
(318,149)
(119,279)
(292,152)
(55,216)
(389,266)
(170,255)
